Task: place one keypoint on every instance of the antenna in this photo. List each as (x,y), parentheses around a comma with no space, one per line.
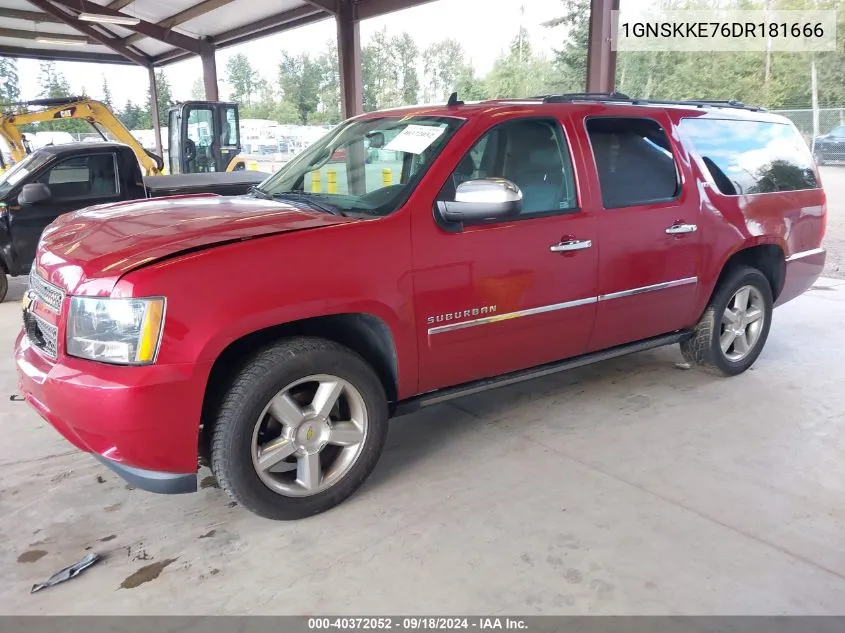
(453,100)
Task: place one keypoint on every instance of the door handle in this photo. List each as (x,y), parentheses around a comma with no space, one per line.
(680,229)
(570,245)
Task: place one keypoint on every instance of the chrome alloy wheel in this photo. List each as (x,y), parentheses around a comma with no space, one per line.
(309,435)
(742,323)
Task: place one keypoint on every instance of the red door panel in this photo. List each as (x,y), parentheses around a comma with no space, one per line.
(496,299)
(649,255)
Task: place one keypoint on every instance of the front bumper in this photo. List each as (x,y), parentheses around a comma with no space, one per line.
(142,422)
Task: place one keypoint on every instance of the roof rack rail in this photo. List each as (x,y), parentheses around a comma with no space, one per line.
(618,97)
(585,96)
(707,103)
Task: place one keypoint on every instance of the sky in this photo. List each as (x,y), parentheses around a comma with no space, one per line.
(484,27)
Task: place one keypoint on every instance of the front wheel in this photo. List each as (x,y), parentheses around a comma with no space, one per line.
(734,327)
(299,430)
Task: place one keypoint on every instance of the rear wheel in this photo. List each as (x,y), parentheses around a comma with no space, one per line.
(299,430)
(734,327)
(4,285)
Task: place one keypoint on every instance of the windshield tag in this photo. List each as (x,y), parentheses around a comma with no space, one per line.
(415,139)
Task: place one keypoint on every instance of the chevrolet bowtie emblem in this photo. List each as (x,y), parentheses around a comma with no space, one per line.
(309,434)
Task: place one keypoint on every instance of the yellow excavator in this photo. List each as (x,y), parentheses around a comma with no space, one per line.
(203,136)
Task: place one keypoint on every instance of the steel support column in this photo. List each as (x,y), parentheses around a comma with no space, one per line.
(209,74)
(601,60)
(349,58)
(154,111)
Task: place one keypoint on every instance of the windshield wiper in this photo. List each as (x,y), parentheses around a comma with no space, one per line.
(313,199)
(257,192)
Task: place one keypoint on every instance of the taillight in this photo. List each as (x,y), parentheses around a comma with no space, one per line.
(824,221)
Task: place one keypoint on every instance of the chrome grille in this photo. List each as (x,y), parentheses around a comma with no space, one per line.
(41,333)
(46,293)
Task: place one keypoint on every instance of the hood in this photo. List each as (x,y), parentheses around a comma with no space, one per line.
(107,241)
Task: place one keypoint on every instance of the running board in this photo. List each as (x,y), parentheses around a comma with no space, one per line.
(477,386)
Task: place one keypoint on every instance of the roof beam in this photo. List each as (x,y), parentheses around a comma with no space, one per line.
(374,8)
(147,29)
(110,42)
(29,16)
(34,35)
(268,26)
(329,6)
(273,24)
(65,56)
(117,5)
(206,6)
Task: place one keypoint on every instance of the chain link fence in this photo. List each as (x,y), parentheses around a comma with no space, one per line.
(829,118)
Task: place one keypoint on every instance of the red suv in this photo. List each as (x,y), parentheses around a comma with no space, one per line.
(460,247)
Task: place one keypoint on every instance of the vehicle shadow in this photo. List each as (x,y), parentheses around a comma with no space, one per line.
(611,389)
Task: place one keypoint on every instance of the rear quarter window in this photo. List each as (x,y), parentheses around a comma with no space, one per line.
(751,157)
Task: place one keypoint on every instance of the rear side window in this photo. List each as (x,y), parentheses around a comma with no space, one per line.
(634,161)
(750,157)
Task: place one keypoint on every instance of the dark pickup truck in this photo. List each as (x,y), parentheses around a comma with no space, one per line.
(62,178)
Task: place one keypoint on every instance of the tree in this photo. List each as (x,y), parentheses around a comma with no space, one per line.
(133,116)
(329,107)
(106,93)
(442,61)
(198,89)
(299,78)
(519,72)
(164,101)
(571,60)
(107,97)
(267,106)
(9,82)
(406,54)
(470,87)
(242,77)
(380,73)
(54,85)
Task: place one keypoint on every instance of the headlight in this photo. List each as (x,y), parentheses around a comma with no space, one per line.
(121,331)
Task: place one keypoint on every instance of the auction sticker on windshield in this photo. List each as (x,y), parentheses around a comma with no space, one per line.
(415,139)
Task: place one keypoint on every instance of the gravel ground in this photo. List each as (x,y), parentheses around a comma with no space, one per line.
(833,179)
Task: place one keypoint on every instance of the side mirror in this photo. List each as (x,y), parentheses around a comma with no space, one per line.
(33,193)
(482,201)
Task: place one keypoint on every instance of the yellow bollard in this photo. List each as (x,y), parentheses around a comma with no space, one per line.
(316,182)
(331,181)
(386,177)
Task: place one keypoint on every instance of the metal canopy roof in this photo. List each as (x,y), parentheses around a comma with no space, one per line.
(167,30)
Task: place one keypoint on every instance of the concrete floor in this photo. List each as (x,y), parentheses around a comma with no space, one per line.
(631,487)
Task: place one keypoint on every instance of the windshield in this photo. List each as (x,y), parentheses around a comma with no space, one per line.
(21,170)
(367,167)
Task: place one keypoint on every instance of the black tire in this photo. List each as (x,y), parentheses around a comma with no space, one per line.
(703,348)
(4,285)
(262,378)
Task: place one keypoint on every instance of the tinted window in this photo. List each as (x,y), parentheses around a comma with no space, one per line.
(531,153)
(82,177)
(838,131)
(634,161)
(748,157)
